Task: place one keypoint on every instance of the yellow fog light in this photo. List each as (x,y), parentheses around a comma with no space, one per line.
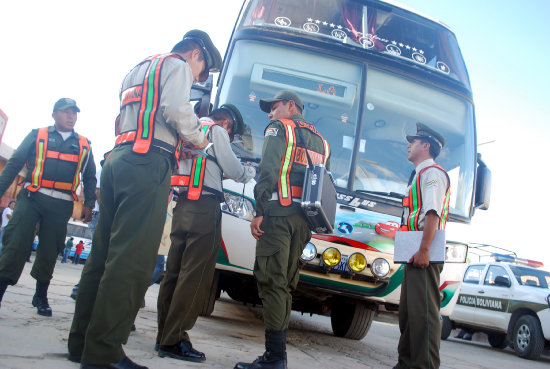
(331,257)
(380,267)
(357,262)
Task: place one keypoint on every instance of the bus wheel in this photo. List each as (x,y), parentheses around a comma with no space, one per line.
(528,338)
(446,327)
(351,319)
(497,340)
(213,294)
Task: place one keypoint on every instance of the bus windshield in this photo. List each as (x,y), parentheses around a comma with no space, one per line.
(376,27)
(364,110)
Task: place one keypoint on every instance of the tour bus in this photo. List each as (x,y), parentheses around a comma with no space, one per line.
(367,72)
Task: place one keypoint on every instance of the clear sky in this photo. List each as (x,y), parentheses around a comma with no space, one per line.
(82,50)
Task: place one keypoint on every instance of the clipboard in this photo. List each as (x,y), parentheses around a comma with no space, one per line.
(408,243)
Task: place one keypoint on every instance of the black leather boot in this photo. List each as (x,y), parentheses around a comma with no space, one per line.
(3,287)
(274,356)
(40,299)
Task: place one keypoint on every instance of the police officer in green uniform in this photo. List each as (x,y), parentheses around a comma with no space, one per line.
(196,233)
(280,226)
(155,112)
(424,209)
(57,158)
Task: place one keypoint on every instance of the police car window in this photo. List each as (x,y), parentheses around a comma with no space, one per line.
(494,272)
(530,276)
(473,274)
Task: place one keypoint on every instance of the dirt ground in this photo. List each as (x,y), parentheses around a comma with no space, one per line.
(233,333)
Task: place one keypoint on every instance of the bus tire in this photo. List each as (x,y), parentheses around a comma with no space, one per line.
(528,339)
(446,327)
(210,301)
(351,319)
(498,340)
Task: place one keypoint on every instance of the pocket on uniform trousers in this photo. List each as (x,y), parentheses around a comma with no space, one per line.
(263,250)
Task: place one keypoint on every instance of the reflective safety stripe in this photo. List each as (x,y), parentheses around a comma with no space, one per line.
(42,153)
(285,190)
(129,136)
(414,202)
(296,192)
(52,193)
(84,150)
(195,180)
(41,147)
(197,169)
(179,181)
(285,194)
(149,102)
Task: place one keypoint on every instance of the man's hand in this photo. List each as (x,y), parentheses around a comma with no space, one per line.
(202,145)
(87,214)
(255,227)
(421,259)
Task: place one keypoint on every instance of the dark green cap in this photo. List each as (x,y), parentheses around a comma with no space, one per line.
(238,123)
(211,54)
(65,103)
(423,131)
(284,95)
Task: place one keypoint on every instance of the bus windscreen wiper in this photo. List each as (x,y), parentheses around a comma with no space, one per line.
(395,195)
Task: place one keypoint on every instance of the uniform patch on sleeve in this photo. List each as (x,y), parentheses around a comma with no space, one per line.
(433,182)
(271,132)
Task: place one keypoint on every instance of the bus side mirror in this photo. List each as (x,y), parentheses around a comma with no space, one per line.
(483,185)
(201,92)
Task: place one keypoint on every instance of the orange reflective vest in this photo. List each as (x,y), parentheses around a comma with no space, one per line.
(295,154)
(195,180)
(414,202)
(148,96)
(43,155)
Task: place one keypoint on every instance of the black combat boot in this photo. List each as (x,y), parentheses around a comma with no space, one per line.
(40,299)
(3,287)
(274,356)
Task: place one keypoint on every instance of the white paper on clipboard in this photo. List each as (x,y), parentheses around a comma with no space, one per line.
(408,243)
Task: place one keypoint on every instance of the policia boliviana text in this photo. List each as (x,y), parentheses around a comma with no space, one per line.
(56,158)
(196,233)
(155,113)
(424,209)
(280,226)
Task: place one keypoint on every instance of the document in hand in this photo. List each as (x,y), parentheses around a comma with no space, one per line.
(408,243)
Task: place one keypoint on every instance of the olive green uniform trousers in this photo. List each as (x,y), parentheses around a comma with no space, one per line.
(195,243)
(419,322)
(134,197)
(52,215)
(277,265)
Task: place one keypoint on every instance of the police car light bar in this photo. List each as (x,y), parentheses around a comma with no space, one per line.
(512,259)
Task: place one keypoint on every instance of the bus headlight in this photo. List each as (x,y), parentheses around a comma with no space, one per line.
(456,252)
(357,262)
(309,253)
(380,267)
(331,257)
(238,206)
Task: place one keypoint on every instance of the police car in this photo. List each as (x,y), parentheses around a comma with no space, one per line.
(509,299)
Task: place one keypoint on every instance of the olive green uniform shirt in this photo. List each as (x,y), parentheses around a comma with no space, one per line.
(272,153)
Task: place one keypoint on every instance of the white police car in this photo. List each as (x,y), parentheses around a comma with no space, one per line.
(509,299)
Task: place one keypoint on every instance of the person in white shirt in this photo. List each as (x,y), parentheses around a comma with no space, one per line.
(6,216)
